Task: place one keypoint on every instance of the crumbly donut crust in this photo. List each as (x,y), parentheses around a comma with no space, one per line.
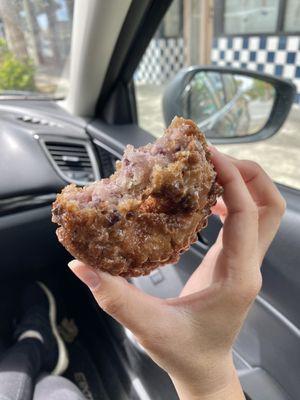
(148,212)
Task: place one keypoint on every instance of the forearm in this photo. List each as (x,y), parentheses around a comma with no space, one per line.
(231,390)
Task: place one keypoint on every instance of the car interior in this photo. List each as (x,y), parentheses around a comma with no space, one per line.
(46,144)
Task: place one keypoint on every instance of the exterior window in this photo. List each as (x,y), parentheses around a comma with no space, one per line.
(172,23)
(292,16)
(208,96)
(250,16)
(35,45)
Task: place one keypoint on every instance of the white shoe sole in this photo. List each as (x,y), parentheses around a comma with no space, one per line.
(62,359)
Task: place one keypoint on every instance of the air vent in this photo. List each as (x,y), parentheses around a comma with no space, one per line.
(74,160)
(29,119)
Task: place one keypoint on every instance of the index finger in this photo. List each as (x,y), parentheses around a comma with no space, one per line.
(240,230)
(266,195)
(260,185)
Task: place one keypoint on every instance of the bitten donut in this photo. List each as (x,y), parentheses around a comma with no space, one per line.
(148,212)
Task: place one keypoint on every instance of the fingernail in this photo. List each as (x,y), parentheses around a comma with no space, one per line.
(72,264)
(212,149)
(85,274)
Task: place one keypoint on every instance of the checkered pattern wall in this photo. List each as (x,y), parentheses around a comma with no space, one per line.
(162,59)
(277,55)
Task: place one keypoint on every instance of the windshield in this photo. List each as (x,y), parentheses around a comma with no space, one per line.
(35,39)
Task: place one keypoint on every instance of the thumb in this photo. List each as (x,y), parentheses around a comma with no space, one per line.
(120,299)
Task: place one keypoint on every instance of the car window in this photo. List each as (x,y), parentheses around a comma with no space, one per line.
(256,35)
(35,38)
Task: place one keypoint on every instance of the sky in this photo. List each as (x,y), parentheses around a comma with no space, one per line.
(61,13)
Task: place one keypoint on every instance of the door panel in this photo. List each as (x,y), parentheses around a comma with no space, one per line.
(281,267)
(269,343)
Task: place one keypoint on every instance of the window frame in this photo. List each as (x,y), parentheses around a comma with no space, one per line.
(219,8)
(160,33)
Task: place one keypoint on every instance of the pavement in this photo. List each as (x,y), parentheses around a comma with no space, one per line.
(279,155)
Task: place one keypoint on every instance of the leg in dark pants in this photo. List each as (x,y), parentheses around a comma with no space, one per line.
(19,368)
(52,387)
(39,349)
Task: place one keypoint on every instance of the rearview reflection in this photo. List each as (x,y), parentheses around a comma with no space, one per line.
(227,105)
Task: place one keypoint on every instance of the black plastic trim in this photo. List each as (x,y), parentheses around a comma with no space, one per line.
(44,139)
(114,138)
(107,148)
(138,29)
(22,203)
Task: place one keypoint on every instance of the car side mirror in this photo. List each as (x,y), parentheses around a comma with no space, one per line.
(229,105)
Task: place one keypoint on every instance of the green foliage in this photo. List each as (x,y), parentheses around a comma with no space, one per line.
(15,74)
(261,90)
(3,46)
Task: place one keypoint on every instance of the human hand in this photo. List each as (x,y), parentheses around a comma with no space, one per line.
(191,336)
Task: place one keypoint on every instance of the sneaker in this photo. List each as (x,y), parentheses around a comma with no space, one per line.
(39,321)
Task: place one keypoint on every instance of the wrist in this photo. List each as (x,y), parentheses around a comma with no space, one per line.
(216,385)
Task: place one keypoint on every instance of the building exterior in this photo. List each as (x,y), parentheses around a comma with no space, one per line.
(183,38)
(165,53)
(262,35)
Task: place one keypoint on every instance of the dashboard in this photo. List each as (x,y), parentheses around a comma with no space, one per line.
(42,148)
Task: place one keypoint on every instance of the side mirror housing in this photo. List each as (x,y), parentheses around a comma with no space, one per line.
(230,105)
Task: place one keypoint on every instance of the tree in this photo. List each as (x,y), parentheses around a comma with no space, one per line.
(33,31)
(10,15)
(70,8)
(49,7)
(15,74)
